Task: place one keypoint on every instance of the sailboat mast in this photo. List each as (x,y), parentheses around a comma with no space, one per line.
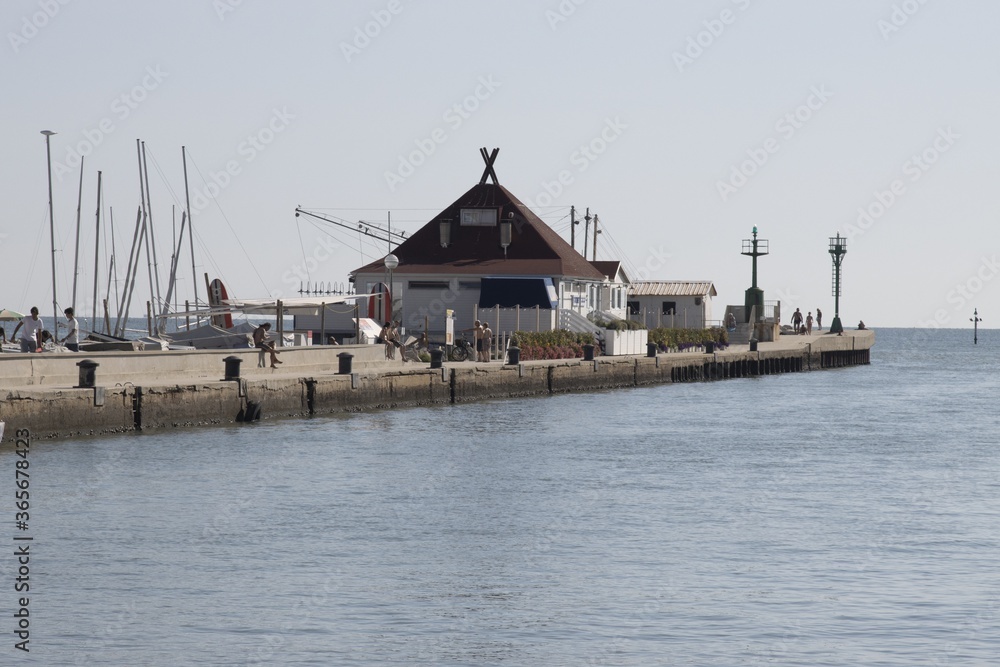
(152,236)
(76,254)
(187,203)
(97,247)
(145,222)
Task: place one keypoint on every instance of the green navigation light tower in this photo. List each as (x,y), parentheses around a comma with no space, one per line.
(975,319)
(838,248)
(754,296)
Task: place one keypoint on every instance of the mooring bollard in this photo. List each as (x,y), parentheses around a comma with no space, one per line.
(88,373)
(437,354)
(513,356)
(710,347)
(345,358)
(588,352)
(232,367)
(650,349)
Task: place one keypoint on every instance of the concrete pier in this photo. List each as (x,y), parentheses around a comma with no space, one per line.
(155,390)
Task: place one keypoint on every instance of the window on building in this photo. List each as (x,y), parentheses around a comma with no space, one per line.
(669,307)
(633,307)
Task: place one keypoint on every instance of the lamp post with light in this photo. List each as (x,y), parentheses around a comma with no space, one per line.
(391,262)
(52,234)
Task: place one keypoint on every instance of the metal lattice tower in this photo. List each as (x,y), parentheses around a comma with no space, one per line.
(838,248)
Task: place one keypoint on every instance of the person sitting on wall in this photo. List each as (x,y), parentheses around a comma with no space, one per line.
(861,325)
(260,342)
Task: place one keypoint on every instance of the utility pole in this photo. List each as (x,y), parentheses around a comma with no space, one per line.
(586,232)
(572,226)
(596,232)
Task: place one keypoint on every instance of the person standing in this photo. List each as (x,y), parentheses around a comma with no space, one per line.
(819,319)
(31,336)
(477,333)
(72,339)
(487,342)
(809,323)
(797,320)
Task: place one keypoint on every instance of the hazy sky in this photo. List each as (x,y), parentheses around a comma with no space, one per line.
(681,124)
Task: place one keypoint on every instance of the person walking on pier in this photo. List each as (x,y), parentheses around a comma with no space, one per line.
(797,320)
(31,336)
(260,341)
(72,339)
(809,323)
(819,319)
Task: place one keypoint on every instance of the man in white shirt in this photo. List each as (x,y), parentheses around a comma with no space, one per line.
(31,337)
(72,339)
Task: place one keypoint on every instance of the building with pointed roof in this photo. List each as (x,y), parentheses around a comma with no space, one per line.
(488,249)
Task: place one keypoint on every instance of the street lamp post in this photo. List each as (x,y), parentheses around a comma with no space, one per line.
(52,235)
(838,248)
(975,319)
(391,262)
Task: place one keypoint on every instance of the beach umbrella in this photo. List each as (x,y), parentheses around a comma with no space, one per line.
(8,314)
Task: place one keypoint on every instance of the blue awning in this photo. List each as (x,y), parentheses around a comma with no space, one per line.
(523,292)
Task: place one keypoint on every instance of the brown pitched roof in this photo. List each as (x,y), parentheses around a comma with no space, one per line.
(535,249)
(607,268)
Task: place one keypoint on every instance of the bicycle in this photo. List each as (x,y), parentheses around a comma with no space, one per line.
(462,350)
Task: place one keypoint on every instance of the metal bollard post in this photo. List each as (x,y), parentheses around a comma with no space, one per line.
(88,373)
(346,359)
(232,367)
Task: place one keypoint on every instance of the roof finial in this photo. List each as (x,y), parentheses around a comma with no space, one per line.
(489,159)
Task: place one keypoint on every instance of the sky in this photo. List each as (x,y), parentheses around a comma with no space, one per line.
(682,125)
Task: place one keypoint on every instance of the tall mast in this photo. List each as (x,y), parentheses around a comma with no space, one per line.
(152,236)
(76,254)
(97,247)
(187,202)
(52,234)
(145,222)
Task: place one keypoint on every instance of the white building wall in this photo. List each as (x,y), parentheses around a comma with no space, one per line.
(651,307)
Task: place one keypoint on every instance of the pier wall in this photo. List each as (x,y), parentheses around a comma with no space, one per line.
(163,393)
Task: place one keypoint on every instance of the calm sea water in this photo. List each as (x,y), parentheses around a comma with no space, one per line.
(847,517)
